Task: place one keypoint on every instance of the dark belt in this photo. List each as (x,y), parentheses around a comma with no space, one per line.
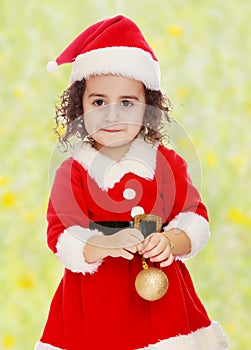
(111,227)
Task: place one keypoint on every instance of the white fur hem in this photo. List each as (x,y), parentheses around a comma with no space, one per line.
(43,346)
(209,338)
(70,247)
(197,229)
(131,62)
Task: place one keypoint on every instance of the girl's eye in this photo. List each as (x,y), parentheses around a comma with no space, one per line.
(99,103)
(126,103)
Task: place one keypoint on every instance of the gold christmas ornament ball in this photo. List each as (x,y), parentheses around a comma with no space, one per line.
(151,284)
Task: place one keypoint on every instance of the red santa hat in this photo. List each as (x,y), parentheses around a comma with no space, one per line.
(111,46)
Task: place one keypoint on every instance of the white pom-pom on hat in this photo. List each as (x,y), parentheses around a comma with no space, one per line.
(51,66)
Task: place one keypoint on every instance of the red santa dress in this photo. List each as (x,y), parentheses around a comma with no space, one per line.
(96,305)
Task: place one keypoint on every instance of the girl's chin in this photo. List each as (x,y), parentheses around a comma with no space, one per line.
(112,143)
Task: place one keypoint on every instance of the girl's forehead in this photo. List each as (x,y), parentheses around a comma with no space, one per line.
(114,83)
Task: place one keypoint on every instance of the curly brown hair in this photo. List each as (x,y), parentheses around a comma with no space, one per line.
(70,121)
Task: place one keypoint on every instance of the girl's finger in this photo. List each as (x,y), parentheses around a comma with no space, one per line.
(161,256)
(117,252)
(132,249)
(168,261)
(139,247)
(156,250)
(125,254)
(149,243)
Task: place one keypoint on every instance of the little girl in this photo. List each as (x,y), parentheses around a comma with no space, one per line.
(118,170)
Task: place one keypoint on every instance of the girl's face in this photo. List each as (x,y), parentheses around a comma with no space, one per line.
(114,108)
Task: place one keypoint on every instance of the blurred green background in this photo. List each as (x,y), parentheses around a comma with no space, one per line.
(204,51)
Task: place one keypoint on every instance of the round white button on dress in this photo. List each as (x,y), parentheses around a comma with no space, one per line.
(129,193)
(136,211)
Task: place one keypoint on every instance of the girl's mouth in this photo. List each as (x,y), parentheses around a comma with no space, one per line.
(111,130)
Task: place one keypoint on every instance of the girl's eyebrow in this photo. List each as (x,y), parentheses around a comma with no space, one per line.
(129,97)
(96,95)
(132,97)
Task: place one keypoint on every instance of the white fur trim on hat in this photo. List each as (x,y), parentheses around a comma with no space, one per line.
(131,62)
(70,247)
(208,338)
(197,229)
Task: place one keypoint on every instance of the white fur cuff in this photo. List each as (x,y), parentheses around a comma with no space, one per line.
(197,229)
(70,247)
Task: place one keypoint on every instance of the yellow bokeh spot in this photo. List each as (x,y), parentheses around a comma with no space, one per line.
(8,199)
(238,161)
(239,217)
(18,92)
(230,328)
(8,341)
(232,90)
(181,92)
(60,130)
(249,109)
(29,218)
(26,282)
(45,203)
(184,143)
(4,181)
(175,31)
(211,159)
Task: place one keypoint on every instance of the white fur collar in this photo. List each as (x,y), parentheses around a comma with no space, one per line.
(140,160)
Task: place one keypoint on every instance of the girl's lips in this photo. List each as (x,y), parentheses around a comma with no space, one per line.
(111,130)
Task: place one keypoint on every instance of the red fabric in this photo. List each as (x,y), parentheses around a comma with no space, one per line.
(103,310)
(116,31)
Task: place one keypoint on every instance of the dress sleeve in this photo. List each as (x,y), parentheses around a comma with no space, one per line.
(185,210)
(67,216)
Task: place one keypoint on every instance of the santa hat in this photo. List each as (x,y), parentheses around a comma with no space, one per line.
(112,46)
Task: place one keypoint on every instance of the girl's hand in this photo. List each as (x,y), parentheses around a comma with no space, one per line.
(127,238)
(157,248)
(121,244)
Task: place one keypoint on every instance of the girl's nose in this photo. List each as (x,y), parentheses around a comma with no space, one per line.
(112,113)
